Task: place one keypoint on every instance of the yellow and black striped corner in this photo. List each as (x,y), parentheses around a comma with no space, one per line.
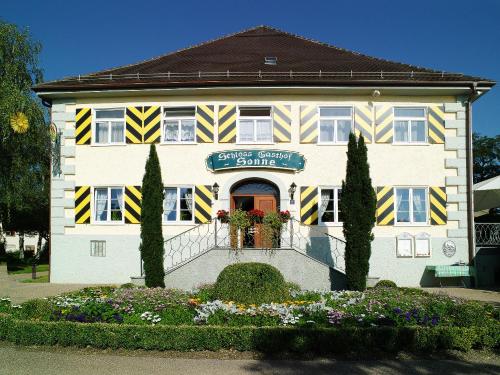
(282,123)
(438,200)
(133,128)
(151,124)
(385,205)
(384,118)
(309,205)
(308,124)
(133,200)
(363,121)
(83,126)
(205,121)
(227,123)
(82,205)
(202,203)
(435,117)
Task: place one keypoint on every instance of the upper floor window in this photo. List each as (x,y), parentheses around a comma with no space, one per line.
(329,209)
(109,126)
(255,125)
(335,124)
(409,125)
(411,205)
(178,204)
(179,124)
(108,204)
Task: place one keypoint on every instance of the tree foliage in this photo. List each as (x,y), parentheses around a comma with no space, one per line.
(151,248)
(358,205)
(486,156)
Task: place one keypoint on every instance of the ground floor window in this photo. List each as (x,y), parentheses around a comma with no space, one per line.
(178,204)
(329,208)
(411,205)
(108,204)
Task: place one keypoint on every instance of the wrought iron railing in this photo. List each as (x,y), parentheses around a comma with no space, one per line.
(311,240)
(487,234)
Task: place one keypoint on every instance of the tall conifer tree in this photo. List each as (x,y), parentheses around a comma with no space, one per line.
(151,248)
(358,205)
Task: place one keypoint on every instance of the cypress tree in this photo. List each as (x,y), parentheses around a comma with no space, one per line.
(151,247)
(358,205)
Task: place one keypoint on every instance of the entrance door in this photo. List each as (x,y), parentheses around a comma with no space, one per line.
(266,203)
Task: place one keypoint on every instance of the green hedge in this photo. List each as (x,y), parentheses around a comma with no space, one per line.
(265,339)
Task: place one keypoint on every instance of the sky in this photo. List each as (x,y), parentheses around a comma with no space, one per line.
(79,37)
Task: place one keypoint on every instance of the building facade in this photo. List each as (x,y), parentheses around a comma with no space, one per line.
(240,122)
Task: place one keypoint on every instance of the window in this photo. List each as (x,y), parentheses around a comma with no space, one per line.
(108,204)
(409,125)
(97,248)
(335,124)
(411,205)
(329,210)
(255,125)
(179,124)
(109,126)
(178,204)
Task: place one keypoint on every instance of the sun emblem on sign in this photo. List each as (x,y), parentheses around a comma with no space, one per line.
(19,123)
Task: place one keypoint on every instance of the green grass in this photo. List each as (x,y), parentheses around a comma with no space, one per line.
(39,279)
(27,269)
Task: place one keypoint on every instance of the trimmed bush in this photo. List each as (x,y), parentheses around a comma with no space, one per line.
(386,284)
(263,339)
(251,283)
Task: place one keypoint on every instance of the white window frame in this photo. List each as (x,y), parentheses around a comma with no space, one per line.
(409,119)
(179,120)
(335,124)
(408,238)
(254,119)
(108,221)
(423,237)
(95,120)
(410,197)
(336,221)
(178,205)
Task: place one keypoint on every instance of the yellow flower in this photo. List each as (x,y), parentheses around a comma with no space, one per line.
(19,123)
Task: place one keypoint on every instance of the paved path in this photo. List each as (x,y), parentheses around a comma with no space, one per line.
(490,296)
(39,361)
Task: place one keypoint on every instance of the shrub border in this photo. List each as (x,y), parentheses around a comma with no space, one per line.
(262,339)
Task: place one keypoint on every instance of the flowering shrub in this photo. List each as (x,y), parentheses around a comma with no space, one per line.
(285,216)
(256,216)
(223,216)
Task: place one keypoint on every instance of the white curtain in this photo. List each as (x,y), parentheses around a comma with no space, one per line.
(264,131)
(117,134)
(101,132)
(101,197)
(189,200)
(246,130)
(402,198)
(326,130)
(170,203)
(419,203)
(117,196)
(401,131)
(170,131)
(187,130)
(325,197)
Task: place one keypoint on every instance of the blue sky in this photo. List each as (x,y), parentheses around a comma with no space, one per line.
(451,35)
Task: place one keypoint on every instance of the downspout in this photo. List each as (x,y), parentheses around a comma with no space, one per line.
(48,104)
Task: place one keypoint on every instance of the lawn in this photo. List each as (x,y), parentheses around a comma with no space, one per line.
(20,269)
(39,279)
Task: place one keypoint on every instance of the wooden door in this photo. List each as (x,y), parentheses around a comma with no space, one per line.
(266,203)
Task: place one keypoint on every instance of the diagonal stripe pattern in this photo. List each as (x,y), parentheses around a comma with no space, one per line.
(384,117)
(363,121)
(133,199)
(437,198)
(151,124)
(82,204)
(435,119)
(308,124)
(133,125)
(202,203)
(205,121)
(282,123)
(227,123)
(83,126)
(385,205)
(309,205)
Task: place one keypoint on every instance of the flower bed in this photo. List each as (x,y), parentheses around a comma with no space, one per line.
(402,314)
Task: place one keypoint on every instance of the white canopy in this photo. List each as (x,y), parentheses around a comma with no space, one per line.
(487,194)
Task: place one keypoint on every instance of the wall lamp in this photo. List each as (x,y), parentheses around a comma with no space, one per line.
(215,190)
(291,192)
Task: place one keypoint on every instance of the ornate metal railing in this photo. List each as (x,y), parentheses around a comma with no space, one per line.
(310,240)
(487,234)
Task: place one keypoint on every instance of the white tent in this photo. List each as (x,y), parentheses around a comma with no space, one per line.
(486,195)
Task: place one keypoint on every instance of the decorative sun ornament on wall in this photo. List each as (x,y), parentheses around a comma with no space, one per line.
(449,248)
(19,123)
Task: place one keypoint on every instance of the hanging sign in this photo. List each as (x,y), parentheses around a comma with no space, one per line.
(240,159)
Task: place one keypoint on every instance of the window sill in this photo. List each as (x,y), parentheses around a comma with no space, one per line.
(412,225)
(178,223)
(107,144)
(332,225)
(177,143)
(411,144)
(331,143)
(255,143)
(107,223)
